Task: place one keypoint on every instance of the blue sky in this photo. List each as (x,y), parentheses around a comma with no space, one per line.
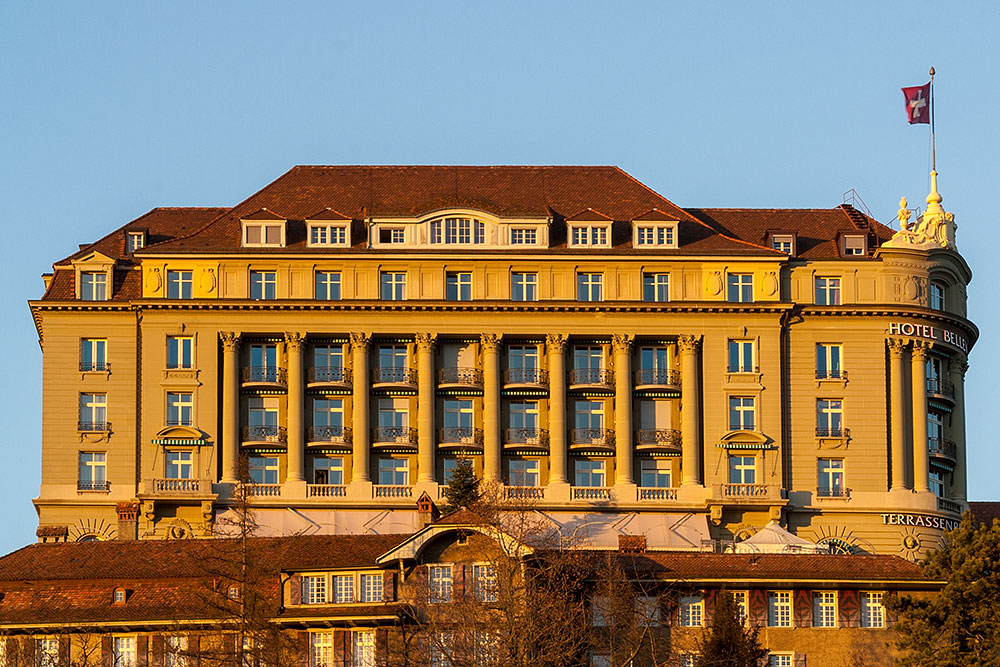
(110,109)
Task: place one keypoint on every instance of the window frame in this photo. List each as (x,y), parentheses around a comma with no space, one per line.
(180,408)
(395,469)
(98,481)
(124,651)
(691,611)
(392,285)
(331,230)
(590,286)
(824,609)
(743,465)
(529,236)
(597,472)
(739,286)
(654,235)
(263,226)
(742,355)
(458,286)
(94,355)
(651,468)
(827,290)
(440,583)
(327,285)
(779,609)
(830,354)
(740,407)
(175,348)
(872,609)
(831,477)
(854,245)
(180,463)
(588,234)
(263,285)
(94,285)
(93,415)
(830,417)
(654,286)
(523,286)
(519,478)
(937,295)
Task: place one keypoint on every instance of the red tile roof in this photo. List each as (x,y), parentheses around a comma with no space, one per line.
(985,512)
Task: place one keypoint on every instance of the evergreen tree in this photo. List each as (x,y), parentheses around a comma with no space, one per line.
(729,643)
(958,627)
(463,486)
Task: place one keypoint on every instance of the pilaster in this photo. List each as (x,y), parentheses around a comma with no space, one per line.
(295,478)
(230,405)
(426,343)
(359,418)
(622,346)
(956,370)
(897,412)
(490,344)
(689,347)
(918,372)
(555,348)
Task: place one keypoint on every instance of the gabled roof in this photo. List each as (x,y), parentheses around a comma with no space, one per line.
(328,214)
(262,214)
(589,215)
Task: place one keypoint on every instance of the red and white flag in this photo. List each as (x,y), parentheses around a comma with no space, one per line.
(918,104)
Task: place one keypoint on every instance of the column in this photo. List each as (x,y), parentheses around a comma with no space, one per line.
(918,390)
(359,399)
(956,370)
(230,405)
(555,345)
(622,345)
(425,407)
(491,406)
(294,344)
(897,419)
(690,353)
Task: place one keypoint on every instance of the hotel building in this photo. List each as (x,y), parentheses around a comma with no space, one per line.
(342,337)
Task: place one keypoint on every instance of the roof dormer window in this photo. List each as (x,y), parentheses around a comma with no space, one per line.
(263,229)
(655,235)
(596,235)
(854,245)
(135,241)
(458,231)
(119,596)
(328,229)
(782,241)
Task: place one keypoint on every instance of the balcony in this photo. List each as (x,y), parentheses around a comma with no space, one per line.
(591,493)
(745,491)
(177,486)
(387,436)
(530,378)
(263,490)
(831,374)
(460,437)
(394,377)
(833,432)
(460,377)
(658,439)
(335,377)
(265,376)
(95,367)
(326,491)
(946,505)
(323,435)
(526,438)
(392,491)
(657,378)
(592,438)
(940,388)
(264,435)
(524,492)
(940,448)
(584,378)
(93,427)
(93,486)
(657,493)
(833,493)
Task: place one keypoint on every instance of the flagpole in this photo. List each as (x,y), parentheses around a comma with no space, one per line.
(933,147)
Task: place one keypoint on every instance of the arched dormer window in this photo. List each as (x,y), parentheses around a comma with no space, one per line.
(457,231)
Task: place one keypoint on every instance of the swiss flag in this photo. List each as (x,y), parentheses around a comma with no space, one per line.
(918,104)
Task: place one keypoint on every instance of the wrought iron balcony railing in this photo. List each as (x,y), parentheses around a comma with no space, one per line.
(831,374)
(942,448)
(604,437)
(392,375)
(940,387)
(93,486)
(328,375)
(833,493)
(591,376)
(264,375)
(93,427)
(657,377)
(460,435)
(669,438)
(465,376)
(400,435)
(535,376)
(338,434)
(265,433)
(526,436)
(95,366)
(832,432)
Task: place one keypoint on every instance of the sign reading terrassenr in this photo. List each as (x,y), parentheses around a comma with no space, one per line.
(929,332)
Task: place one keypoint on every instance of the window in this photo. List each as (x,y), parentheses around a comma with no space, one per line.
(854,245)
(524,286)
(827,291)
(271,234)
(588,420)
(363,643)
(123,652)
(175,651)
(264,363)
(935,479)
(590,287)
(824,609)
(263,418)
(179,284)
(450,463)
(872,611)
(180,352)
(782,243)
(523,421)
(47,652)
(328,418)
(589,473)
(458,286)
(484,583)
(93,471)
(179,464)
(393,472)
(692,608)
(93,286)
(314,589)
(829,418)
(522,357)
(136,241)
(439,579)
(655,235)
(588,358)
(523,236)
(264,469)
(830,478)
(392,286)
(119,596)
(589,235)
(829,358)
(328,470)
(935,430)
(441,649)
(233,593)
(647,611)
(371,588)
(779,660)
(742,610)
(327,285)
(462,231)
(742,413)
(739,287)
(656,287)
(180,408)
(392,356)
(742,469)
(327,235)
(392,235)
(688,659)
(654,473)
(94,412)
(600,611)
(779,609)
(393,420)
(600,660)
(523,472)
(741,356)
(936,296)
(321,649)
(93,354)
(263,285)
(343,588)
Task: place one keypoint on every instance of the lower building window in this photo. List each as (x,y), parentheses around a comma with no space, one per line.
(830,481)
(872,611)
(180,408)
(779,660)
(692,611)
(742,413)
(321,649)
(393,472)
(93,471)
(439,581)
(264,469)
(935,480)
(589,473)
(328,470)
(175,651)
(47,652)
(779,609)
(654,473)
(371,588)
(314,589)
(123,652)
(179,465)
(343,588)
(824,609)
(484,578)
(523,472)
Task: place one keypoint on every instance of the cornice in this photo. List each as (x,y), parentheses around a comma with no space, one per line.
(883,310)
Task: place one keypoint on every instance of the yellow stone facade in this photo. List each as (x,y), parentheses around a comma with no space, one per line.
(700,404)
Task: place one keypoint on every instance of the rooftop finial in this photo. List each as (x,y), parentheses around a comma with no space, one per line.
(903,215)
(934,199)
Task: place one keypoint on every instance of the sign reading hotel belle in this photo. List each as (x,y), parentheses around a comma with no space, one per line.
(929,332)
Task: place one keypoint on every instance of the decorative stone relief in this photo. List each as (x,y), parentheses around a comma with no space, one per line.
(360,340)
(230,341)
(713,283)
(490,341)
(556,342)
(295,341)
(689,343)
(426,341)
(771,283)
(208,280)
(154,281)
(622,342)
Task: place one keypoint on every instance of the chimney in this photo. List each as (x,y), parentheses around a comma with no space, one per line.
(427,511)
(128,520)
(632,544)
